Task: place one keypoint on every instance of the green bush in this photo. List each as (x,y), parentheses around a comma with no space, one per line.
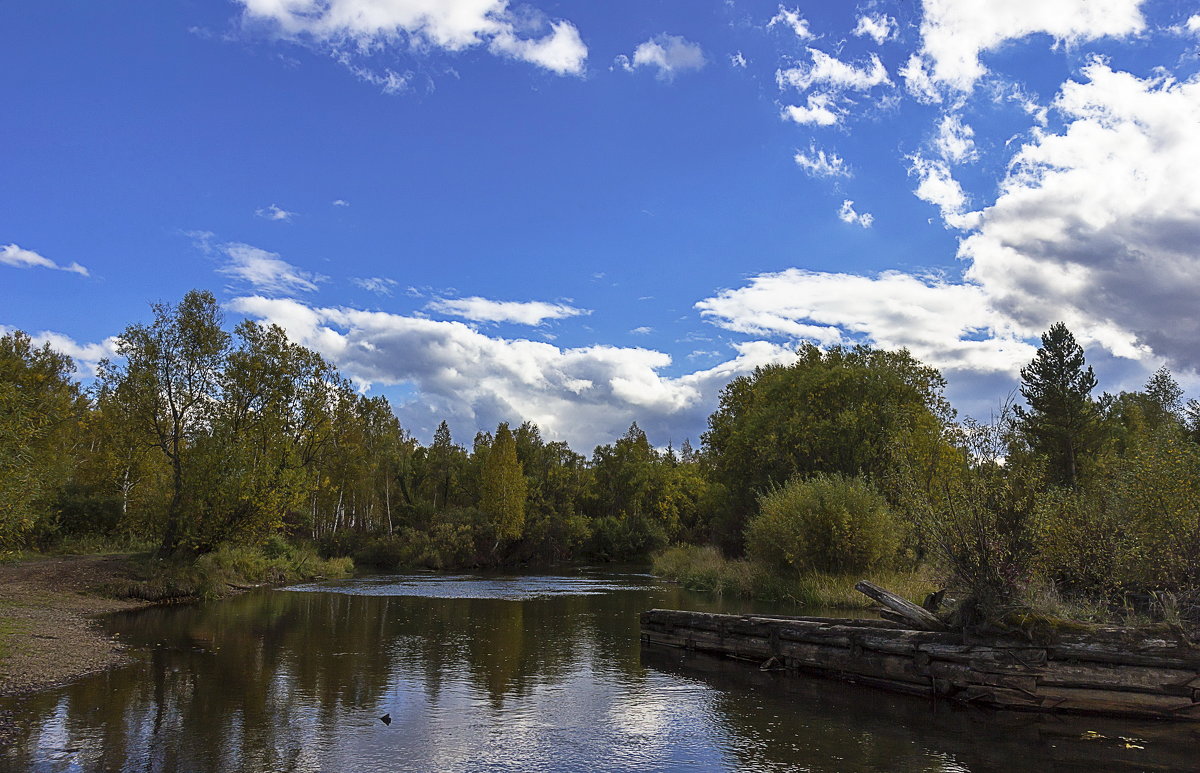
(826,523)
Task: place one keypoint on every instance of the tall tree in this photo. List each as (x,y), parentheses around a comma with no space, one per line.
(503,488)
(1060,422)
(170,384)
(853,411)
(41,409)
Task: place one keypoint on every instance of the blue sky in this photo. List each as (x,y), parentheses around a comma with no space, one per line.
(592,213)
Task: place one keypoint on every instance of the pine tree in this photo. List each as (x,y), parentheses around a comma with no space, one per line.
(503,489)
(1061,420)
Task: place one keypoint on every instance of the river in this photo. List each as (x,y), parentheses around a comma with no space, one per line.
(440,672)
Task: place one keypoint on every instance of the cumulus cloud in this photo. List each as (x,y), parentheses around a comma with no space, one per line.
(947,324)
(954,33)
(87,356)
(818,110)
(340,203)
(586,395)
(266,271)
(876,26)
(847,215)
(938,187)
(818,163)
(375,284)
(17,257)
(273,212)
(1095,225)
(1193,24)
(668,54)
(791,19)
(1098,224)
(479,309)
(451,25)
(738,60)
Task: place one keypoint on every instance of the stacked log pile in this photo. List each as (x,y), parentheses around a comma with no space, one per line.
(1110,671)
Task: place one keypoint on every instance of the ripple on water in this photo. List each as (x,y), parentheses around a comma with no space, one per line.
(466,586)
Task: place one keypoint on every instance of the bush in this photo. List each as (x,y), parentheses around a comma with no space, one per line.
(827,523)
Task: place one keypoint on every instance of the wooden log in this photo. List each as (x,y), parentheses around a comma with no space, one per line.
(1151,676)
(918,616)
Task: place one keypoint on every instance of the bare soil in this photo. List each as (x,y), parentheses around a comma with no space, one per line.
(48,629)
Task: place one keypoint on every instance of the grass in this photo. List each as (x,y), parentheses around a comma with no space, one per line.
(705,569)
(223,571)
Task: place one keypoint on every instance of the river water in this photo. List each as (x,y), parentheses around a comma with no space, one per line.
(511,673)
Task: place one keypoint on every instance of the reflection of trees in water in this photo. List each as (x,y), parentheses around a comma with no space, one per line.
(259,681)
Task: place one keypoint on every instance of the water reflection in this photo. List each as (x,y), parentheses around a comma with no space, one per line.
(505,673)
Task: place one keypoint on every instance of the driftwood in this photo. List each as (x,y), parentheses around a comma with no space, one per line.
(1116,671)
(907,611)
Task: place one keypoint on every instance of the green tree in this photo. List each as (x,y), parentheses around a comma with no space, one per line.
(502,488)
(850,411)
(169,383)
(1061,420)
(41,411)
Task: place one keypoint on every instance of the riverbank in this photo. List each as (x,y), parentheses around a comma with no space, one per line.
(48,606)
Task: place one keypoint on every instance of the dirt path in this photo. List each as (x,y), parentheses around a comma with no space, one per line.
(48,634)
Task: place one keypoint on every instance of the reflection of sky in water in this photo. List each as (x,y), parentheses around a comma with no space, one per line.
(464,586)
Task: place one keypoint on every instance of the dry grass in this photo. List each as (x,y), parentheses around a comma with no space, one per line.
(705,569)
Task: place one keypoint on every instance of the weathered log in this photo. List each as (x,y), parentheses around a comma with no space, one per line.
(1062,677)
(916,615)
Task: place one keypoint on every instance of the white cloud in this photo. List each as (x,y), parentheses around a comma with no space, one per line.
(273,212)
(818,163)
(340,203)
(879,27)
(847,215)
(585,395)
(1095,225)
(938,187)
(376,284)
(919,81)
(479,309)
(955,140)
(669,54)
(266,271)
(829,72)
(452,25)
(642,330)
(86,356)
(819,110)
(1099,225)
(946,324)
(738,60)
(792,19)
(955,32)
(562,51)
(1193,24)
(16,256)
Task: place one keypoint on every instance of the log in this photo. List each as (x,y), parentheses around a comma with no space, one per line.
(1119,672)
(914,614)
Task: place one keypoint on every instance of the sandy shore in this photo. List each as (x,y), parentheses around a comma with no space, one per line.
(48,631)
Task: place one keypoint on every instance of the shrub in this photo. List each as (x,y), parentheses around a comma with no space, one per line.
(826,523)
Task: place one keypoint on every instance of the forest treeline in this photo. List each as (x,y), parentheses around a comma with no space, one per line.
(846,460)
